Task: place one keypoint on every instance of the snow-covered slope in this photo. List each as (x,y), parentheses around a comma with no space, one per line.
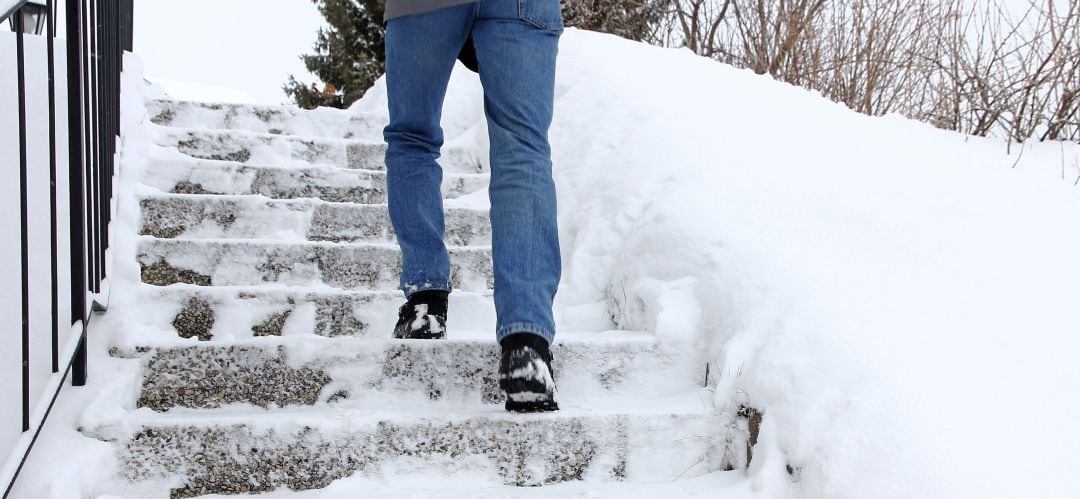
(898,301)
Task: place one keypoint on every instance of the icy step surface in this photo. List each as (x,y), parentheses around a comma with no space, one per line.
(309,449)
(375,374)
(239,312)
(276,150)
(275,120)
(255,217)
(323,182)
(244,263)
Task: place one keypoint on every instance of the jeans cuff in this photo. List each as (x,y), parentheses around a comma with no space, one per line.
(410,288)
(524,327)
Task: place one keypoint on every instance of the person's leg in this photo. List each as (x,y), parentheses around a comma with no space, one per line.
(516,43)
(420,54)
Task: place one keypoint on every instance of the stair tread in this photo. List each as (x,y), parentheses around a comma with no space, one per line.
(274,119)
(244,146)
(454,337)
(259,199)
(341,416)
(186,175)
(428,484)
(269,243)
(192,162)
(255,217)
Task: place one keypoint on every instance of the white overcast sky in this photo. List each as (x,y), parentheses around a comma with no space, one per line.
(225,50)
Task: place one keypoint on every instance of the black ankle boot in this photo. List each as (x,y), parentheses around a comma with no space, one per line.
(423,316)
(525,374)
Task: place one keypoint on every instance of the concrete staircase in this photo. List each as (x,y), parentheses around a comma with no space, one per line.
(268,274)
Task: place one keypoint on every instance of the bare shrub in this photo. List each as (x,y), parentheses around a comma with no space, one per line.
(966,65)
(631,19)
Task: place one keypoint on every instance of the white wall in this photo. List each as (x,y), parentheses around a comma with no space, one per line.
(39,217)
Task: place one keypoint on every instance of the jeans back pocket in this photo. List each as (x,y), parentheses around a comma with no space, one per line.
(546,14)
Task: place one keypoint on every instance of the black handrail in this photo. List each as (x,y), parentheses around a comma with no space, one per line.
(98,32)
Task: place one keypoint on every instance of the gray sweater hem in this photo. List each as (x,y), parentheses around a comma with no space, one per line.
(399,8)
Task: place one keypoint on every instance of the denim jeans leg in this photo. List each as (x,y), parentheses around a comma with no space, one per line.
(420,54)
(516,56)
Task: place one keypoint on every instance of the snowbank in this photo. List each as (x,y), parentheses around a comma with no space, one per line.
(899,301)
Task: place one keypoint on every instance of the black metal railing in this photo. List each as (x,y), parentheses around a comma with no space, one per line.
(97,33)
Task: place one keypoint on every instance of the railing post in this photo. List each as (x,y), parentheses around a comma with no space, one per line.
(127,27)
(77,159)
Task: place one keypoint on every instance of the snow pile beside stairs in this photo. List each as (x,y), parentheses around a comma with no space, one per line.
(900,301)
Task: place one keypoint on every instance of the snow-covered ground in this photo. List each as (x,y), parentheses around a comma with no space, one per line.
(900,302)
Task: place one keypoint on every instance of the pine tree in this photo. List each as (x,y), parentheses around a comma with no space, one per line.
(349,54)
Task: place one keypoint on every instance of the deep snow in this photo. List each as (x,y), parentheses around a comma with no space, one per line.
(899,301)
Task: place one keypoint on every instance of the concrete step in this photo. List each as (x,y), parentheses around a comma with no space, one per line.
(231,313)
(309,449)
(255,217)
(330,184)
(383,374)
(247,263)
(274,120)
(276,150)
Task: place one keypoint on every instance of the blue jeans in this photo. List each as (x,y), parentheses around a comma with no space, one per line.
(516,42)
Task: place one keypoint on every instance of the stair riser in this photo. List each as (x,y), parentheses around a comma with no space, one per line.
(369,375)
(327,184)
(205,217)
(207,263)
(270,150)
(237,458)
(208,313)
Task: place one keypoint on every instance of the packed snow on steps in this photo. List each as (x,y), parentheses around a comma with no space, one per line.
(899,301)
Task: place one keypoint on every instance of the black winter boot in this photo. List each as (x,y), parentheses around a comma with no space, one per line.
(525,374)
(423,316)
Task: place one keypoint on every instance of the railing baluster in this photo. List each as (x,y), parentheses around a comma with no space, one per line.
(24,222)
(54,259)
(76,69)
(97,33)
(95,144)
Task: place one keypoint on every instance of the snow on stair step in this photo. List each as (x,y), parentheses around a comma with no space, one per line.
(377,374)
(275,120)
(308,449)
(208,313)
(274,150)
(255,217)
(263,358)
(245,263)
(322,182)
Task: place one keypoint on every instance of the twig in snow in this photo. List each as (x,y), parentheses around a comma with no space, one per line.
(1019,156)
(1062,160)
(687,470)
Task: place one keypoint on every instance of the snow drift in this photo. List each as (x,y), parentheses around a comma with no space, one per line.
(898,300)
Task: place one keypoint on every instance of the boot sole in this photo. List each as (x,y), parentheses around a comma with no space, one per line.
(529,389)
